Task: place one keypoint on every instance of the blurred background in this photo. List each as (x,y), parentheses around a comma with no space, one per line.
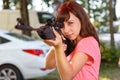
(104,15)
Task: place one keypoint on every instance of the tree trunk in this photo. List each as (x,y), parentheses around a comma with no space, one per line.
(114,11)
(25,15)
(6,4)
(111,23)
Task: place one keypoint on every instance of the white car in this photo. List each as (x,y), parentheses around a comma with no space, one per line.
(21,57)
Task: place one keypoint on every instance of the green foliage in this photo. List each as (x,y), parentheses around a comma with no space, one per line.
(47,2)
(109,54)
(96,24)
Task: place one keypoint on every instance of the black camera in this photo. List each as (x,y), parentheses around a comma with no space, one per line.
(46,31)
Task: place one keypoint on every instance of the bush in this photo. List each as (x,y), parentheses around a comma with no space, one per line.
(109,54)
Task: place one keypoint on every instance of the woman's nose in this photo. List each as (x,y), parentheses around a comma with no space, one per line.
(66,29)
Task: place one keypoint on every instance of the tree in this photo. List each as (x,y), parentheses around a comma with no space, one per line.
(114,10)
(24,15)
(111,23)
(55,3)
(6,4)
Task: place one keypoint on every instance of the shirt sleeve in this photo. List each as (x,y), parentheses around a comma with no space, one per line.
(88,46)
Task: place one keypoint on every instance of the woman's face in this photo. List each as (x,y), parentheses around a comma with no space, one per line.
(72,28)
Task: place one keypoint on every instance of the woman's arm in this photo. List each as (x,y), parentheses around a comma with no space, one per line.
(50,59)
(67,70)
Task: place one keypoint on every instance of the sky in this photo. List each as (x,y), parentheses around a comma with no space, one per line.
(44,7)
(118,8)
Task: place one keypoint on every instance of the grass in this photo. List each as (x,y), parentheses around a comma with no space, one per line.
(107,72)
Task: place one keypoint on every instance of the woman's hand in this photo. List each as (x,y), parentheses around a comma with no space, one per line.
(57,42)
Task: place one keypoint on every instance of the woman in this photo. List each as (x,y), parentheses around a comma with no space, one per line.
(83,53)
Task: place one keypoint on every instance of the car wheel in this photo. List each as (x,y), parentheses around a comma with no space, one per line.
(9,72)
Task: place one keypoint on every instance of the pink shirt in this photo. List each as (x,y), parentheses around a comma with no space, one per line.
(90,70)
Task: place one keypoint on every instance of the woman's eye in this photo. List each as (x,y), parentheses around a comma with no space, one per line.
(69,23)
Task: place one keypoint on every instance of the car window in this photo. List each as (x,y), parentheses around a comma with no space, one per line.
(21,37)
(3,40)
(43,17)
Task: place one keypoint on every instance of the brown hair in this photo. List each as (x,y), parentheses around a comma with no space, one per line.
(87,29)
